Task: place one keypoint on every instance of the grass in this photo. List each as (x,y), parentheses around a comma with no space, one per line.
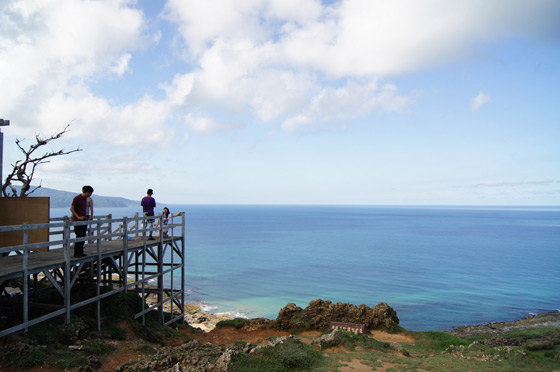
(437,341)
(117,333)
(98,347)
(237,323)
(292,355)
(351,341)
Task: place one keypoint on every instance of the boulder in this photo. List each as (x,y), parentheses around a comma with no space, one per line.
(287,316)
(320,313)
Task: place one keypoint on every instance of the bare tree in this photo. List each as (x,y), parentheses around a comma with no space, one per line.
(24,170)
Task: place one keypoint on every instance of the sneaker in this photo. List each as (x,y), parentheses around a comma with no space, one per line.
(80,255)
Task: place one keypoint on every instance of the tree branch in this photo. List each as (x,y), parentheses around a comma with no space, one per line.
(21,174)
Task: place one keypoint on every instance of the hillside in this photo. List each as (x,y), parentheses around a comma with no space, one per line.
(254,345)
(61,199)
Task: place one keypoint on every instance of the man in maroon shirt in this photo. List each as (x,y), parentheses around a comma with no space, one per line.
(148,204)
(79,213)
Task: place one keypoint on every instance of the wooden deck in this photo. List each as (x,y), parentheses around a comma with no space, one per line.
(120,260)
(12,266)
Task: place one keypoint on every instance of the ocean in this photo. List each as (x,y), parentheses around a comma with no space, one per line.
(438,267)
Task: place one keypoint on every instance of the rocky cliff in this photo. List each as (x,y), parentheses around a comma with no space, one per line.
(319,313)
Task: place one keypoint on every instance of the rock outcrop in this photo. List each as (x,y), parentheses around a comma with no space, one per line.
(319,313)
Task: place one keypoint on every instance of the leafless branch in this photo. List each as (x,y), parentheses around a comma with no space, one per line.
(21,173)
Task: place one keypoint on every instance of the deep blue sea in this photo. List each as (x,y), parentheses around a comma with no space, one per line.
(438,267)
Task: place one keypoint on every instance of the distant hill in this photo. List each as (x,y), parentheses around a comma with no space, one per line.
(60,199)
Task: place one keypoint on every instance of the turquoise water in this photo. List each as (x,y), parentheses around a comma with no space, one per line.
(439,267)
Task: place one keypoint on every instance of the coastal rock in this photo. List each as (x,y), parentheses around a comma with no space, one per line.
(205,321)
(192,356)
(259,323)
(319,313)
(71,333)
(551,320)
(326,341)
(287,316)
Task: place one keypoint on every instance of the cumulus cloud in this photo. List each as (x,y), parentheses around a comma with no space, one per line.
(480,100)
(286,60)
(293,62)
(51,50)
(121,65)
(362,37)
(354,99)
(203,124)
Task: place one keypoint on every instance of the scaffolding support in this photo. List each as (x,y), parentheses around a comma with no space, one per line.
(122,260)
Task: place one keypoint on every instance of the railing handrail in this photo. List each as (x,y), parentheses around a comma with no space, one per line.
(103,221)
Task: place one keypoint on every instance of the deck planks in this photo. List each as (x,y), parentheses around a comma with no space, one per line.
(12,266)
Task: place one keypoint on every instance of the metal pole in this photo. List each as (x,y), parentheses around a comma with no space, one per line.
(183,264)
(67,274)
(160,281)
(98,275)
(25,278)
(3,123)
(125,254)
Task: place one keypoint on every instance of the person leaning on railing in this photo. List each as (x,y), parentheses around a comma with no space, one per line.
(165,221)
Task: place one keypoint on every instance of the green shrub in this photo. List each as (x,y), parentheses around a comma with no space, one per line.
(146,349)
(44,333)
(99,348)
(117,333)
(440,341)
(350,340)
(31,359)
(237,323)
(292,355)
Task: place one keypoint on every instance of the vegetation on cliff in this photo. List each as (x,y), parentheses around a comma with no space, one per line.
(298,340)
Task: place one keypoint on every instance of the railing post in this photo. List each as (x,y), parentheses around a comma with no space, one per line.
(137,227)
(110,226)
(67,275)
(160,281)
(183,264)
(98,275)
(125,254)
(25,277)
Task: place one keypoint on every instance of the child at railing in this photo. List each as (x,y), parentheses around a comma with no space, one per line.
(165,221)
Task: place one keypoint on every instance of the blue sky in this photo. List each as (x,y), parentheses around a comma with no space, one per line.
(294,102)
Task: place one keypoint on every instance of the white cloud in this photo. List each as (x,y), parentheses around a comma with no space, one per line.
(205,125)
(480,100)
(51,50)
(286,60)
(293,62)
(141,122)
(121,65)
(352,100)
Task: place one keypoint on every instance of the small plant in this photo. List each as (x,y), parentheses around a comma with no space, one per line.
(31,359)
(237,323)
(296,331)
(440,341)
(146,349)
(350,340)
(43,333)
(99,348)
(291,355)
(117,333)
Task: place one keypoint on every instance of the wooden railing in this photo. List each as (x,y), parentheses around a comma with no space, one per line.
(64,273)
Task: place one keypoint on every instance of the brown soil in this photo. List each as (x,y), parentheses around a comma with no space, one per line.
(127,350)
